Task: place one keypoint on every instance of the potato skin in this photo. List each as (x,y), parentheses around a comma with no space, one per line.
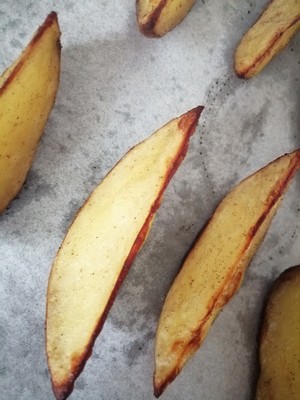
(161,17)
(273,30)
(279,350)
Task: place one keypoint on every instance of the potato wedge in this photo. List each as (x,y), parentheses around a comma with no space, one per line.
(267,37)
(101,244)
(213,270)
(158,17)
(27,93)
(279,350)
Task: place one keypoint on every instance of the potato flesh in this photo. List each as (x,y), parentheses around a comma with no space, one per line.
(90,261)
(25,104)
(280,341)
(170,15)
(146,7)
(213,270)
(272,31)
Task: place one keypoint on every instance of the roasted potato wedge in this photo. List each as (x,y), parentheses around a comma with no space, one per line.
(101,244)
(214,268)
(27,93)
(158,17)
(279,350)
(270,34)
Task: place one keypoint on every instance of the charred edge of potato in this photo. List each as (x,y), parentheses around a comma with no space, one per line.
(50,20)
(62,391)
(243,74)
(147,27)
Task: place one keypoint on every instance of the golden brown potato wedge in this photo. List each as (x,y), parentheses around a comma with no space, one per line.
(27,93)
(279,351)
(213,270)
(158,17)
(101,244)
(270,34)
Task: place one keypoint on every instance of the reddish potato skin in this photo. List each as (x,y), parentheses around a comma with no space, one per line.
(51,18)
(147,28)
(155,24)
(187,124)
(251,70)
(243,74)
